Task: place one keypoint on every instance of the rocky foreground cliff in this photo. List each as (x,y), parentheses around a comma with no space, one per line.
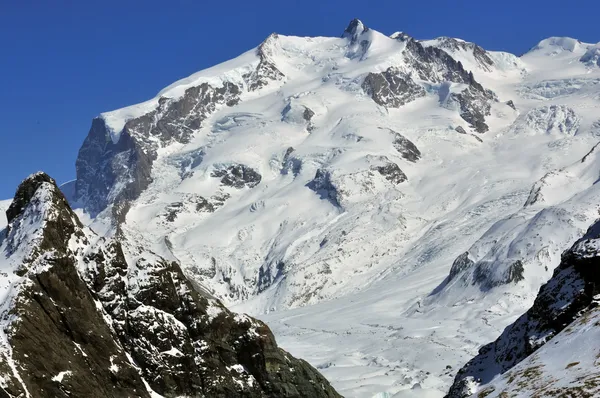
(82,318)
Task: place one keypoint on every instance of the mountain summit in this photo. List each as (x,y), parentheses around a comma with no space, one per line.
(388,204)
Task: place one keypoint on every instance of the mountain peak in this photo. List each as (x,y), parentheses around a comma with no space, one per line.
(554,45)
(354,29)
(401,36)
(25,193)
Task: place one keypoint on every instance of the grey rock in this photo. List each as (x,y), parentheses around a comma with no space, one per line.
(511,104)
(238,176)
(88,310)
(116,173)
(591,57)
(460,130)
(354,29)
(323,186)
(435,65)
(474,106)
(392,88)
(480,55)
(308,115)
(266,71)
(460,265)
(477,138)
(290,163)
(405,147)
(391,171)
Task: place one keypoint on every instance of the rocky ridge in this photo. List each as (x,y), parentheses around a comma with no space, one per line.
(84,318)
(567,301)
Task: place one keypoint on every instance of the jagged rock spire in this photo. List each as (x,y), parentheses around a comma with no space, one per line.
(25,193)
(354,29)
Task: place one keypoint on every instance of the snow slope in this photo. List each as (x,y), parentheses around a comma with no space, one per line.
(555,369)
(335,209)
(3,206)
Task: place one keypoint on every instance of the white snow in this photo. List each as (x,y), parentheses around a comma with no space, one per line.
(569,361)
(4,204)
(351,286)
(174,352)
(59,377)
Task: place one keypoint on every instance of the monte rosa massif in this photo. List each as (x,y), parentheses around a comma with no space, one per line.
(414,218)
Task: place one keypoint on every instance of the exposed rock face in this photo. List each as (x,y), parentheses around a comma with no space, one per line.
(483,274)
(435,65)
(592,56)
(354,29)
(266,70)
(238,176)
(460,264)
(568,296)
(290,163)
(84,321)
(392,88)
(480,55)
(391,171)
(322,184)
(110,172)
(405,147)
(473,107)
(60,344)
(460,130)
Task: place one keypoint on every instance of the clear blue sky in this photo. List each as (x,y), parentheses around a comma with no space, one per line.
(63,62)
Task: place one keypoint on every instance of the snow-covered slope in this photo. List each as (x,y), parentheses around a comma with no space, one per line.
(3,206)
(552,350)
(386,185)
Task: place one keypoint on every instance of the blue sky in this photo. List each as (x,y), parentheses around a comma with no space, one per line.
(63,62)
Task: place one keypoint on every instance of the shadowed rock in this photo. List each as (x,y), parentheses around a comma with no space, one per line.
(567,296)
(238,176)
(392,88)
(86,322)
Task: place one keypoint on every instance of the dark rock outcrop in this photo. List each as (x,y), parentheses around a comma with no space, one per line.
(354,28)
(567,296)
(460,264)
(405,147)
(432,65)
(290,163)
(115,173)
(479,54)
(391,171)
(323,185)
(359,41)
(86,322)
(473,107)
(437,66)
(392,88)
(266,70)
(238,176)
(460,130)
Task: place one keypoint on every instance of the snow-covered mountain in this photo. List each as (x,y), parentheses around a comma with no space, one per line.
(83,317)
(386,204)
